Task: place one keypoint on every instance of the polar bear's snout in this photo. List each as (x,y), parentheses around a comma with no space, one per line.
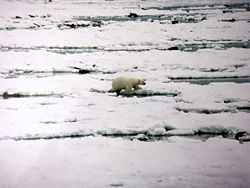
(143,82)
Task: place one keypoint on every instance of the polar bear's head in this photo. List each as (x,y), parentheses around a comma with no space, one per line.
(141,82)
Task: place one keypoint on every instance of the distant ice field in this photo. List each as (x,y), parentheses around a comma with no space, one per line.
(188,126)
(58,60)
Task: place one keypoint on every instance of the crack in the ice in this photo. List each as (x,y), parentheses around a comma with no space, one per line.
(186,46)
(7,95)
(208,80)
(203,134)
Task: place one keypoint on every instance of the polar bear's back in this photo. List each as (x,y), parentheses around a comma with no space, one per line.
(122,82)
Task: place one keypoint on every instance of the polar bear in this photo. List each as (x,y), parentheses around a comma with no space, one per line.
(121,83)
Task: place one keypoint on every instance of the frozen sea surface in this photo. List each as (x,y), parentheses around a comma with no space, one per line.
(57,62)
(105,162)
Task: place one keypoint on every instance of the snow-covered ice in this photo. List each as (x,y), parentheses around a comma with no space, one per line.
(115,162)
(61,128)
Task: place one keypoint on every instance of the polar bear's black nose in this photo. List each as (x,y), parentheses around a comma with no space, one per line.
(143,82)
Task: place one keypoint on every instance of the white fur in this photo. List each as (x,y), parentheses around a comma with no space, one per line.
(121,83)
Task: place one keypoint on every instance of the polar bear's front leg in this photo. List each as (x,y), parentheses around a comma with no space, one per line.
(137,87)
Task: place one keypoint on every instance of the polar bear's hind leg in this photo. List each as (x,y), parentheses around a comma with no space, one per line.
(128,90)
(118,92)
